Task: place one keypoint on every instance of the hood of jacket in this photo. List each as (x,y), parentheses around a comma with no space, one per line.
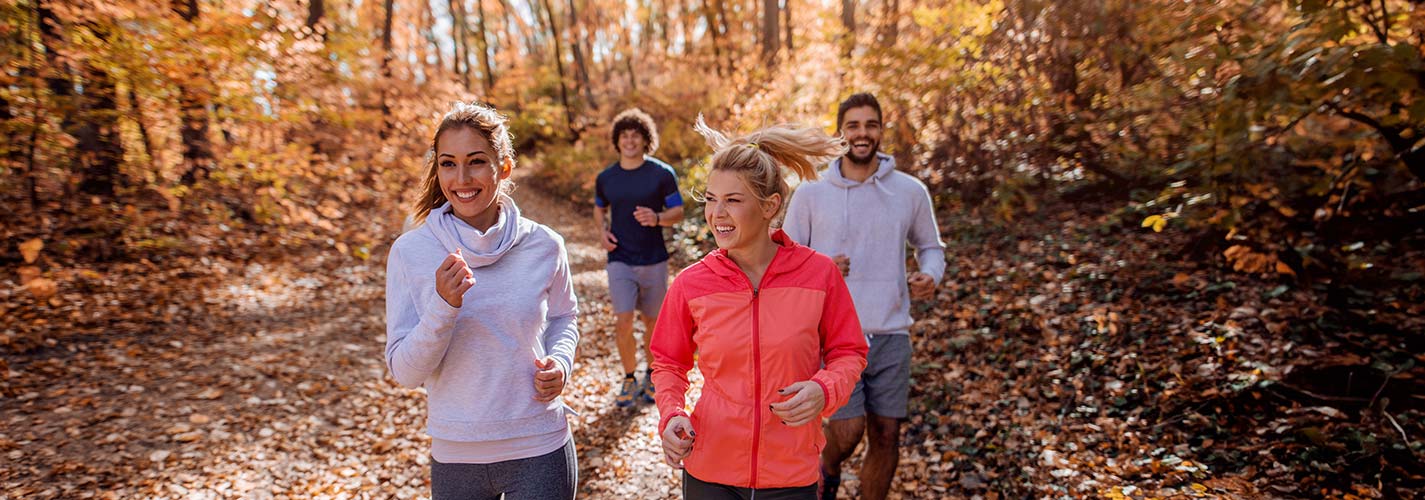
(480,248)
(790,256)
(885,165)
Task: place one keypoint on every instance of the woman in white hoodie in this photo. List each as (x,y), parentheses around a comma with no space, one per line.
(480,311)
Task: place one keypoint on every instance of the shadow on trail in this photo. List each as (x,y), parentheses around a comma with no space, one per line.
(600,436)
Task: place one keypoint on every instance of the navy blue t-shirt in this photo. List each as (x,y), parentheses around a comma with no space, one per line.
(652,185)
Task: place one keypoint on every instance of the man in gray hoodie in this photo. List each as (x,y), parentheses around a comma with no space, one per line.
(863,212)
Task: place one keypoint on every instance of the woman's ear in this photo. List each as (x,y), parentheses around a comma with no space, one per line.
(506,167)
(772,205)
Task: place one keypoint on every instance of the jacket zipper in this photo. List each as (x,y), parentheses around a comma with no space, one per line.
(757,370)
(756,387)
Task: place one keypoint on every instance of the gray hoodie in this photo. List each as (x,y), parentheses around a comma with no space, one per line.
(870,222)
(477,361)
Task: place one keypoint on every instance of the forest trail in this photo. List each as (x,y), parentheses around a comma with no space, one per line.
(1047,363)
(268,381)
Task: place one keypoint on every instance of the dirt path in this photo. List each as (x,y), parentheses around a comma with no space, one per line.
(618,448)
(1070,357)
(269,383)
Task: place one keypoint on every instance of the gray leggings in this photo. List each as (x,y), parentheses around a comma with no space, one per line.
(554,475)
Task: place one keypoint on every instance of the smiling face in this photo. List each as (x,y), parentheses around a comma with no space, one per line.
(631,144)
(862,128)
(735,215)
(470,175)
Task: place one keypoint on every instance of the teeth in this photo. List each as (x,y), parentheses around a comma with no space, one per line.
(467,195)
(723,229)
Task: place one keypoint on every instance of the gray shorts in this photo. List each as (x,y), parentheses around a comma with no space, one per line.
(641,287)
(884,388)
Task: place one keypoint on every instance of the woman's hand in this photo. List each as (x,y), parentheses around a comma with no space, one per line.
(548,380)
(453,278)
(805,404)
(678,439)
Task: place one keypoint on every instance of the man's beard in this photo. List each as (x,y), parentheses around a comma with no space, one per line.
(875,147)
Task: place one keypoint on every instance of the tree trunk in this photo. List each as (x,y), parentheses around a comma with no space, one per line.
(891,27)
(770,13)
(193,112)
(61,89)
(386,58)
(848,21)
(663,16)
(726,30)
(197,150)
(559,67)
(465,55)
(484,47)
(315,11)
(787,21)
(650,28)
(579,67)
(12,143)
(710,17)
(428,28)
(31,181)
(147,139)
(12,135)
(57,70)
(540,27)
(99,146)
(459,61)
(5,117)
(848,15)
(29,73)
(628,66)
(686,17)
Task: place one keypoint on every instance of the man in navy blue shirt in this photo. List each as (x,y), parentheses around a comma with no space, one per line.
(639,195)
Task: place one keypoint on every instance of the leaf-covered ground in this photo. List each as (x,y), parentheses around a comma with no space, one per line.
(1068,356)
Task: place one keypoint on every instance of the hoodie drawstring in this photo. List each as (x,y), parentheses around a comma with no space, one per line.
(874,180)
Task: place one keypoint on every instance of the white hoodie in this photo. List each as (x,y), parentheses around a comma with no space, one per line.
(870,222)
(477,361)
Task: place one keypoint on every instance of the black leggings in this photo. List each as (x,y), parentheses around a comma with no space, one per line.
(697,489)
(551,476)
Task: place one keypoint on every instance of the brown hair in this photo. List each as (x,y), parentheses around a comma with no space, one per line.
(636,119)
(757,156)
(485,121)
(862,99)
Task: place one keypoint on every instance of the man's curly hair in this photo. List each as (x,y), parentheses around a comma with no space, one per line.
(636,119)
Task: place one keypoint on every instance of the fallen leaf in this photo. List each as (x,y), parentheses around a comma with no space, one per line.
(31,249)
(1328,411)
(43,288)
(158,456)
(28,274)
